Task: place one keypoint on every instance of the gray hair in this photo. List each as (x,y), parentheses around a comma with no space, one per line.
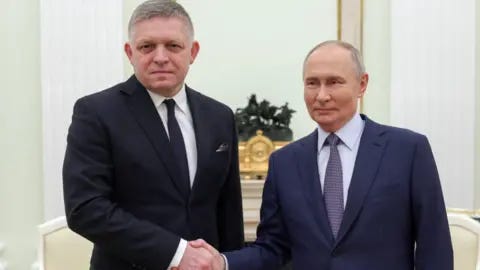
(355,53)
(159,8)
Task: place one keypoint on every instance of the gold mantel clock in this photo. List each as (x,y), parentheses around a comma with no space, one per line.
(254,154)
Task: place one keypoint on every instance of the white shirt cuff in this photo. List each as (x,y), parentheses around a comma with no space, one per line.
(226,261)
(178,254)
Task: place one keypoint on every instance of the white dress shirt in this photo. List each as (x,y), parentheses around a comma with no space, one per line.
(349,135)
(185,121)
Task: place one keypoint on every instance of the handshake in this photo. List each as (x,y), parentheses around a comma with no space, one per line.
(199,255)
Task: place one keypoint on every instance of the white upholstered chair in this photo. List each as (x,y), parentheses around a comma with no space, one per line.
(465,233)
(62,249)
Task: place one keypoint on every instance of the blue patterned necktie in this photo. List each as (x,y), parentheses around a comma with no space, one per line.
(178,147)
(333,185)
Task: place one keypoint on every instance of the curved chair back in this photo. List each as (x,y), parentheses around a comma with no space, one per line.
(60,248)
(465,233)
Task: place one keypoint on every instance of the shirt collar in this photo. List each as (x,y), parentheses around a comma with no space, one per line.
(180,99)
(349,133)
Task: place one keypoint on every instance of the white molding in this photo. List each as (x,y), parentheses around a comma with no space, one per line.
(351,22)
(81,52)
(252,200)
(433,85)
(3,263)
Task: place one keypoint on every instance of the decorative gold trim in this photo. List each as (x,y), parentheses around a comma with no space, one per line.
(339,19)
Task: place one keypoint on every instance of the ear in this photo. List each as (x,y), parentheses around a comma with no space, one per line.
(363,84)
(194,51)
(128,51)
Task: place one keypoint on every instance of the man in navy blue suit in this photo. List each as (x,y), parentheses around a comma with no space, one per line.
(151,163)
(352,195)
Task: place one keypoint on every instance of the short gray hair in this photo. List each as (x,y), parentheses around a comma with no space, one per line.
(355,53)
(159,8)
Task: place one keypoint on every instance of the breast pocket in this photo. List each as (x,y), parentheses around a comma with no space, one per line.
(387,196)
(217,163)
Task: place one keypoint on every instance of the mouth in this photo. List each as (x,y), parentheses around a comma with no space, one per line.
(323,110)
(160,72)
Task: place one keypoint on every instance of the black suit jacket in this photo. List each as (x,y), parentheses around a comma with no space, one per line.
(119,179)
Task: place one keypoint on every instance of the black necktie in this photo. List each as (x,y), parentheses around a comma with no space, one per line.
(178,147)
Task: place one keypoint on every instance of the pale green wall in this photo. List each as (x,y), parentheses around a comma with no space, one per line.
(20,132)
(477,108)
(376,52)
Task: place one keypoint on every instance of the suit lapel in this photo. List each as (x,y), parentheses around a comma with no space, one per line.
(199,115)
(309,177)
(368,159)
(144,111)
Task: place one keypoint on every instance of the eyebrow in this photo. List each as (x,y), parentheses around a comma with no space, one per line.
(311,79)
(328,77)
(143,40)
(340,78)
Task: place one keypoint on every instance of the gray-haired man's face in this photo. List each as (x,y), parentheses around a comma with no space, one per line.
(161,51)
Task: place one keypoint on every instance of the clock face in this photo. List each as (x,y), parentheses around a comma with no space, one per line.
(260,151)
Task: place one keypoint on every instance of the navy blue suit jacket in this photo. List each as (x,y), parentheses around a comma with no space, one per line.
(120,181)
(395,216)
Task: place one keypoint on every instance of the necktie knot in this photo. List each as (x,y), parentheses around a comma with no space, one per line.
(332,139)
(170,105)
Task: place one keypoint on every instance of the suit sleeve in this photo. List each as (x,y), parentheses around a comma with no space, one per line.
(88,183)
(433,243)
(230,212)
(271,248)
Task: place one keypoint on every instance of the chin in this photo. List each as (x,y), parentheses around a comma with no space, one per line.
(324,123)
(323,119)
(163,86)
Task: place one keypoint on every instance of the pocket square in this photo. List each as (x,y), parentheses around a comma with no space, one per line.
(223,147)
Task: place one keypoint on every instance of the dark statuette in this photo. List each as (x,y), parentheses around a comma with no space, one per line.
(272,120)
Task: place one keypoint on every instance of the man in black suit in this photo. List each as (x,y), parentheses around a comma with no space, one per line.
(151,163)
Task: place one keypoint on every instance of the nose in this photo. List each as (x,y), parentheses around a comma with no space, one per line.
(161,55)
(323,95)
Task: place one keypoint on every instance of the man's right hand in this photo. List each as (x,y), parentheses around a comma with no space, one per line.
(196,258)
(217,261)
